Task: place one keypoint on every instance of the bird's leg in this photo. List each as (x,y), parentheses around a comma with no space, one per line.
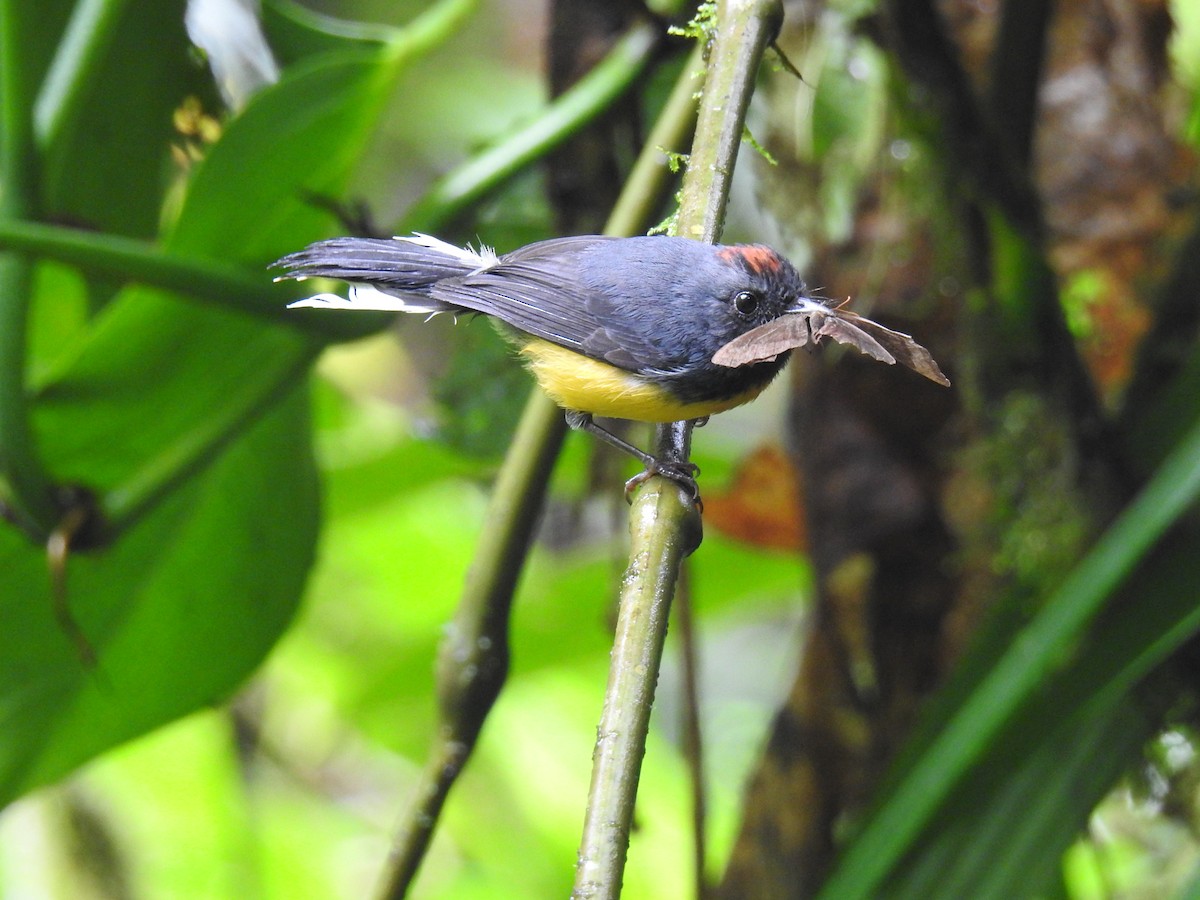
(682,473)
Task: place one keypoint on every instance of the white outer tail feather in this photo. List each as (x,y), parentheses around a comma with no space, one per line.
(365,297)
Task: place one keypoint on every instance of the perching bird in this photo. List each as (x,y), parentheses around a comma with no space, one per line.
(655,329)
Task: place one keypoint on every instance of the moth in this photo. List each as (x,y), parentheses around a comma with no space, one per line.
(813,321)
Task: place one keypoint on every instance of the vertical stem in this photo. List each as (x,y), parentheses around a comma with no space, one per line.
(26,495)
(664,525)
(744,29)
(473,659)
(693,739)
(637,654)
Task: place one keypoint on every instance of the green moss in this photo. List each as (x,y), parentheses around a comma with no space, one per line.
(1038,523)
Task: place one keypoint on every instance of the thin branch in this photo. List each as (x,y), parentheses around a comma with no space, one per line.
(26,492)
(570,111)
(191,277)
(693,737)
(473,660)
(664,525)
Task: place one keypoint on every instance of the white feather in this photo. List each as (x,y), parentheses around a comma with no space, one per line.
(366,297)
(484,259)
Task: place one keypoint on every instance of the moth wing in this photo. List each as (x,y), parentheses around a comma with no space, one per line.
(899,346)
(766,342)
(793,330)
(840,327)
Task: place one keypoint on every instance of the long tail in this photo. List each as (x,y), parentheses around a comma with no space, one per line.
(395,274)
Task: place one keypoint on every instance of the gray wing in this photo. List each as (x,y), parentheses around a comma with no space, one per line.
(544,290)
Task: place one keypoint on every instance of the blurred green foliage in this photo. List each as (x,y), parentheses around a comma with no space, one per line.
(231,742)
(194,425)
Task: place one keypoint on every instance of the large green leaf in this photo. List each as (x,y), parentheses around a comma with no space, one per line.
(252,197)
(159,387)
(190,424)
(103,115)
(179,610)
(1053,646)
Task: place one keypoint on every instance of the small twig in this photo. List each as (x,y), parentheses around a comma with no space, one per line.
(693,738)
(79,514)
(787,64)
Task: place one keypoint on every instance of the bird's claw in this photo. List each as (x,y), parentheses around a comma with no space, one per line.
(682,473)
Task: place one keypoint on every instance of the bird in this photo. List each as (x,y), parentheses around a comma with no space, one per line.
(651,328)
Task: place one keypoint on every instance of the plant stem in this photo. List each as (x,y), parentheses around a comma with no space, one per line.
(744,29)
(660,548)
(26,493)
(664,525)
(570,111)
(692,740)
(208,280)
(473,659)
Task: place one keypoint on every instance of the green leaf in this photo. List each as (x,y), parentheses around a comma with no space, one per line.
(179,611)
(1038,652)
(190,424)
(1004,830)
(251,198)
(104,114)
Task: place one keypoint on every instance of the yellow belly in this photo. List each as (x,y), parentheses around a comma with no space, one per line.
(579,382)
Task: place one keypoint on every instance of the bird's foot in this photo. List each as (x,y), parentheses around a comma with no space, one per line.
(682,473)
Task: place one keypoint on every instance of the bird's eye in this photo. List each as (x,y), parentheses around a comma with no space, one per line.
(745,302)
